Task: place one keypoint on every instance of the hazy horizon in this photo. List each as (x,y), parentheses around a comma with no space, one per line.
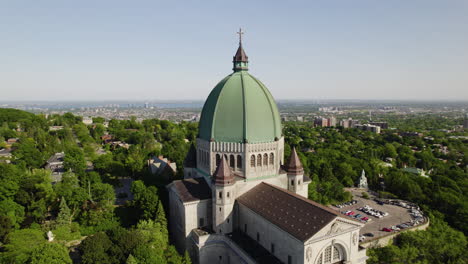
(148,50)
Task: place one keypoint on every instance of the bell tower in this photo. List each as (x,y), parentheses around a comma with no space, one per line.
(296,174)
(223,198)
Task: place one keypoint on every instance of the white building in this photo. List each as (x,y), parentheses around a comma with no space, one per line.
(239,201)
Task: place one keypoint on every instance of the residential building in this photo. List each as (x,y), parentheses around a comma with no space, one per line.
(382,125)
(55,165)
(367,127)
(162,166)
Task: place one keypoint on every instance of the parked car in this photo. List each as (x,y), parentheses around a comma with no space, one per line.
(369,234)
(385,229)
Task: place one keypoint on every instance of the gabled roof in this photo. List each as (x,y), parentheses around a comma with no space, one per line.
(191,158)
(296,215)
(194,189)
(223,174)
(294,165)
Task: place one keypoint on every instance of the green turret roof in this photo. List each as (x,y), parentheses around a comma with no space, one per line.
(240,109)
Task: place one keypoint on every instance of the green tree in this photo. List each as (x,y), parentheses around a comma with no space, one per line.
(103,192)
(95,249)
(187,259)
(50,253)
(64,215)
(74,160)
(149,254)
(131,260)
(438,244)
(390,151)
(13,211)
(70,189)
(135,160)
(145,199)
(27,152)
(10,176)
(21,244)
(6,225)
(172,256)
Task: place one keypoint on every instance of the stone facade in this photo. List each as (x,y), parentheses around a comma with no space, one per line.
(238,187)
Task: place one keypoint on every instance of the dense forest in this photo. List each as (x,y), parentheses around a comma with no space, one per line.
(80,210)
(89,226)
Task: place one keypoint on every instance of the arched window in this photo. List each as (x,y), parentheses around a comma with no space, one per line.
(265,159)
(272,158)
(252,161)
(218,159)
(259,160)
(336,254)
(320,259)
(239,161)
(327,255)
(231,161)
(331,254)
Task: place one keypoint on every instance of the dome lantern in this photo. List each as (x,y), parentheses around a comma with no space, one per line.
(240,60)
(240,108)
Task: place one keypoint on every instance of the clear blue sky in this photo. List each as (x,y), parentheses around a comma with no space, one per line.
(145,50)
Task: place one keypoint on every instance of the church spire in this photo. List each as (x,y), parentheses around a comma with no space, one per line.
(240,60)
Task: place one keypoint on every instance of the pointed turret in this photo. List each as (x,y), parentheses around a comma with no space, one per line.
(297,183)
(294,167)
(223,175)
(240,60)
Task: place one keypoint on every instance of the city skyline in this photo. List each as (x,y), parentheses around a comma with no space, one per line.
(108,51)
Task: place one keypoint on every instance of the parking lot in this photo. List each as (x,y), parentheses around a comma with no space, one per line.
(396,214)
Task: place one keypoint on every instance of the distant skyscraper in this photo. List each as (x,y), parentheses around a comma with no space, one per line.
(332,121)
(465,122)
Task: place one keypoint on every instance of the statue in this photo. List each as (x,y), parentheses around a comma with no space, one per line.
(363,181)
(50,236)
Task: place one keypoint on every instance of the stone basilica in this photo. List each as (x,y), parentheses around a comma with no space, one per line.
(239,201)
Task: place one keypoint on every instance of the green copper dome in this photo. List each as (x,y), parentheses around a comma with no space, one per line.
(240,109)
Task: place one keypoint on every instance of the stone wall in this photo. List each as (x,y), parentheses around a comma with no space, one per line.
(214,248)
(267,234)
(386,240)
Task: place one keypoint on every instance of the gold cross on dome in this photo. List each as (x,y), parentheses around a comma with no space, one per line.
(240,35)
